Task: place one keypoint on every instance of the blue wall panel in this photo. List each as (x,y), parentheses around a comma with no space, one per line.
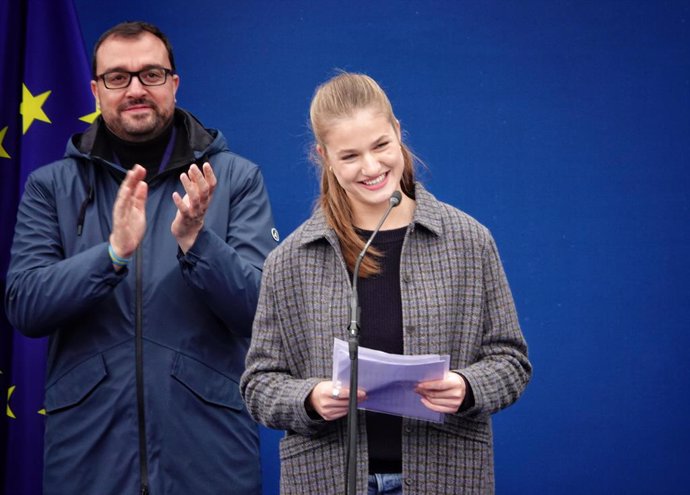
(563,126)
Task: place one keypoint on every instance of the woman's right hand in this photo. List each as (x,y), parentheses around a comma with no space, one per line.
(331,402)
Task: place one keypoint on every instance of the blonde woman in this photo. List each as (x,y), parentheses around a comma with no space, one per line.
(433,284)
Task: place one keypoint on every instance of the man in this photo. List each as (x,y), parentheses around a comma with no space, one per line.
(143,268)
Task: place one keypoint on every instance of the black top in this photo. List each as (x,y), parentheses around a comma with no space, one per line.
(381,329)
(148,154)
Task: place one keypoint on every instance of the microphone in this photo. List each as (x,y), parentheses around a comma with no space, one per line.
(353,344)
(394,201)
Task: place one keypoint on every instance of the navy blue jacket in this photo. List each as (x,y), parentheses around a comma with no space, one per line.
(144,364)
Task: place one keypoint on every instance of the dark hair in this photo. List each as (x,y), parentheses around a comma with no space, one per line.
(132,29)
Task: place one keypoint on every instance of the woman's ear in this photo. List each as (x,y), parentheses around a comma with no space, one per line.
(321,151)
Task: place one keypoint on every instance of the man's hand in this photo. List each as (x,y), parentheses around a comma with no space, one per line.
(129,214)
(192,208)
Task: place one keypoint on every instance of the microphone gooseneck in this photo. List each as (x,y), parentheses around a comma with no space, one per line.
(394,201)
(353,344)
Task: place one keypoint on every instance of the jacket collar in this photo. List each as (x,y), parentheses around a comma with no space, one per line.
(426,215)
(199,140)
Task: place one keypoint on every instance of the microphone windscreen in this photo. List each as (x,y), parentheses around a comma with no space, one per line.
(396,197)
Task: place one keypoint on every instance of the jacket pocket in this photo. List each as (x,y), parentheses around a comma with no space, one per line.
(206,383)
(301,457)
(470,429)
(75,385)
(294,444)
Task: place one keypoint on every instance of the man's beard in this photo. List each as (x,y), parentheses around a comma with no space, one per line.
(145,126)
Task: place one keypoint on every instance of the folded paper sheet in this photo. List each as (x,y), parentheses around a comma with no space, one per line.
(390,379)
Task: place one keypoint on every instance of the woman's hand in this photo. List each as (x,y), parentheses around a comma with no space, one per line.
(331,402)
(444,396)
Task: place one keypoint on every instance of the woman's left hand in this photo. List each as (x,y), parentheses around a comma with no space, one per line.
(444,396)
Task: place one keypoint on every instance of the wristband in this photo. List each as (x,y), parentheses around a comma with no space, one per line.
(116,259)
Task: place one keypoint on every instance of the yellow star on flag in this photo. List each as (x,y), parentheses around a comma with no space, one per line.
(30,108)
(3,152)
(89,118)
(9,394)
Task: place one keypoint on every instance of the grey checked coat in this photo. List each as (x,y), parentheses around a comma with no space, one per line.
(455,300)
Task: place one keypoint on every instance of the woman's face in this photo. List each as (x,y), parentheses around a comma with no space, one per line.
(364,153)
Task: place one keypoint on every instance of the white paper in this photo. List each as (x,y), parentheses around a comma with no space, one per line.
(390,379)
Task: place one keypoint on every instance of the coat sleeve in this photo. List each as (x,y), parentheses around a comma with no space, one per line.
(44,287)
(502,369)
(274,397)
(227,272)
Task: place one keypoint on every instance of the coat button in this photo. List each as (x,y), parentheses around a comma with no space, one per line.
(408,429)
(408,481)
(406,278)
(411,329)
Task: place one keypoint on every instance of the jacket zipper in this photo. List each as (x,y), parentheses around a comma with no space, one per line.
(143,454)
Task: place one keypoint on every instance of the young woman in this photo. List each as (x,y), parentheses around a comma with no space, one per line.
(433,285)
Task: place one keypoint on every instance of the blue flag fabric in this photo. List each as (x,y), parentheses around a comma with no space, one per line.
(44,78)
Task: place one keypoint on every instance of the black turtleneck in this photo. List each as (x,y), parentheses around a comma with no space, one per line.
(381,320)
(148,154)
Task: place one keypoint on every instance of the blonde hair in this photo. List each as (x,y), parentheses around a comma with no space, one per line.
(340,97)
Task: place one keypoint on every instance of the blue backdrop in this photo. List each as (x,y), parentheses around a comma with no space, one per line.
(563,126)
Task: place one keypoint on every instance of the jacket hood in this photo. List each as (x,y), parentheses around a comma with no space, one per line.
(200,141)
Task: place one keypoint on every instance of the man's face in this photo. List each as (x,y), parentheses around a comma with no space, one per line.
(136,113)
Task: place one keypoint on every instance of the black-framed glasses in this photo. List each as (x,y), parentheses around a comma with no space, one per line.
(151,76)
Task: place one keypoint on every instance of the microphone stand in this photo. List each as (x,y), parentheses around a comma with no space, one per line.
(353,345)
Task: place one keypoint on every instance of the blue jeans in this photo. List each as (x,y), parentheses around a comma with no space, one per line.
(385,484)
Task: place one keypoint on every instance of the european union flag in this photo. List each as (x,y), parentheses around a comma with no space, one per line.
(44,78)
